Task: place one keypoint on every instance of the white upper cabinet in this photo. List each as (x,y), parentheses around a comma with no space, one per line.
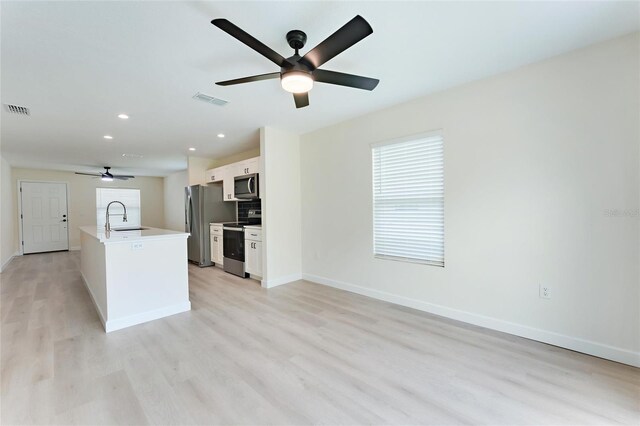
(226,175)
(247,167)
(229,182)
(215,175)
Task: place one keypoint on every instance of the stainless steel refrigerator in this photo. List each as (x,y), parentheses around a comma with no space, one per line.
(203,205)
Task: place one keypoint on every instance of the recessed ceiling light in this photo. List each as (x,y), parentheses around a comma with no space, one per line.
(108,137)
(123,116)
(192,149)
(221,135)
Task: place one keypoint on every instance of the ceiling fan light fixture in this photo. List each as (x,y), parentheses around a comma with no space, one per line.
(297,73)
(297,82)
(107,176)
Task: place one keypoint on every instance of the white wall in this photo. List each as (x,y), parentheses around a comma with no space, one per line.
(82,198)
(534,160)
(7,214)
(196,168)
(174,185)
(245,155)
(280,194)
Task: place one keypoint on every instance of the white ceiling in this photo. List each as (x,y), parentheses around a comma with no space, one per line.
(77,65)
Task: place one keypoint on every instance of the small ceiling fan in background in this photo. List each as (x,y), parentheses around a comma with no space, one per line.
(107,176)
(298,73)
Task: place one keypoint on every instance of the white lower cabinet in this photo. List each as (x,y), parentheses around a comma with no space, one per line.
(253,250)
(217,255)
(253,257)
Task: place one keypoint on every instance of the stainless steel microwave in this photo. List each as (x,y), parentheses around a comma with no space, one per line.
(246,187)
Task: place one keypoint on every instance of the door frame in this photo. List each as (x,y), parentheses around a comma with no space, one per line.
(19,217)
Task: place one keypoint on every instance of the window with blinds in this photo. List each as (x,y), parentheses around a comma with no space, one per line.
(130,198)
(408,199)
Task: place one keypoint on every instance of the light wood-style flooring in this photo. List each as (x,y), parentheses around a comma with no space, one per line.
(293,355)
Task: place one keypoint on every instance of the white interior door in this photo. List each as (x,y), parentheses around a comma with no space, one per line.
(44,217)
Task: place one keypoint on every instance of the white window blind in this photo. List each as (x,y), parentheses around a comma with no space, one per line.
(408,200)
(130,198)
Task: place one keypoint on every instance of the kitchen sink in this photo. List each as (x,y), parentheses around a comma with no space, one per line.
(129,229)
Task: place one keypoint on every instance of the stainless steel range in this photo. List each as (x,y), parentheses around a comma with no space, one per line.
(233,247)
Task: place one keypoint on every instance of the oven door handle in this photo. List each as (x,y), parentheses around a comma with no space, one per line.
(233,229)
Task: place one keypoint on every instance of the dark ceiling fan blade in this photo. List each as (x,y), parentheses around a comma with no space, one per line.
(342,79)
(89,174)
(351,33)
(246,38)
(249,79)
(302,99)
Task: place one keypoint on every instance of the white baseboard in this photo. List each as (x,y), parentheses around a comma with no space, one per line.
(574,343)
(120,323)
(74,248)
(274,282)
(8,261)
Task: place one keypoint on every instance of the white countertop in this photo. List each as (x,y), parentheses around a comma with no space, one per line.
(103,236)
(246,226)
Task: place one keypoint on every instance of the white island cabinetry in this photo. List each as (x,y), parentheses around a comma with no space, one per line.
(135,276)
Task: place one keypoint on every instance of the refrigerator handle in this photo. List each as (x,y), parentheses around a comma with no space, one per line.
(187,214)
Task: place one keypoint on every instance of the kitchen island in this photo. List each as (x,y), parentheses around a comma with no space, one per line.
(135,276)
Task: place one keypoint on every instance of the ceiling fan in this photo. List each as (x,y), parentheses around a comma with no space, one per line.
(298,73)
(107,176)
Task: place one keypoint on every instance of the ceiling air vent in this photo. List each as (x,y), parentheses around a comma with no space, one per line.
(210,99)
(15,109)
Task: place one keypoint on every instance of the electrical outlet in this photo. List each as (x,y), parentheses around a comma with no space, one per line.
(136,246)
(545,291)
